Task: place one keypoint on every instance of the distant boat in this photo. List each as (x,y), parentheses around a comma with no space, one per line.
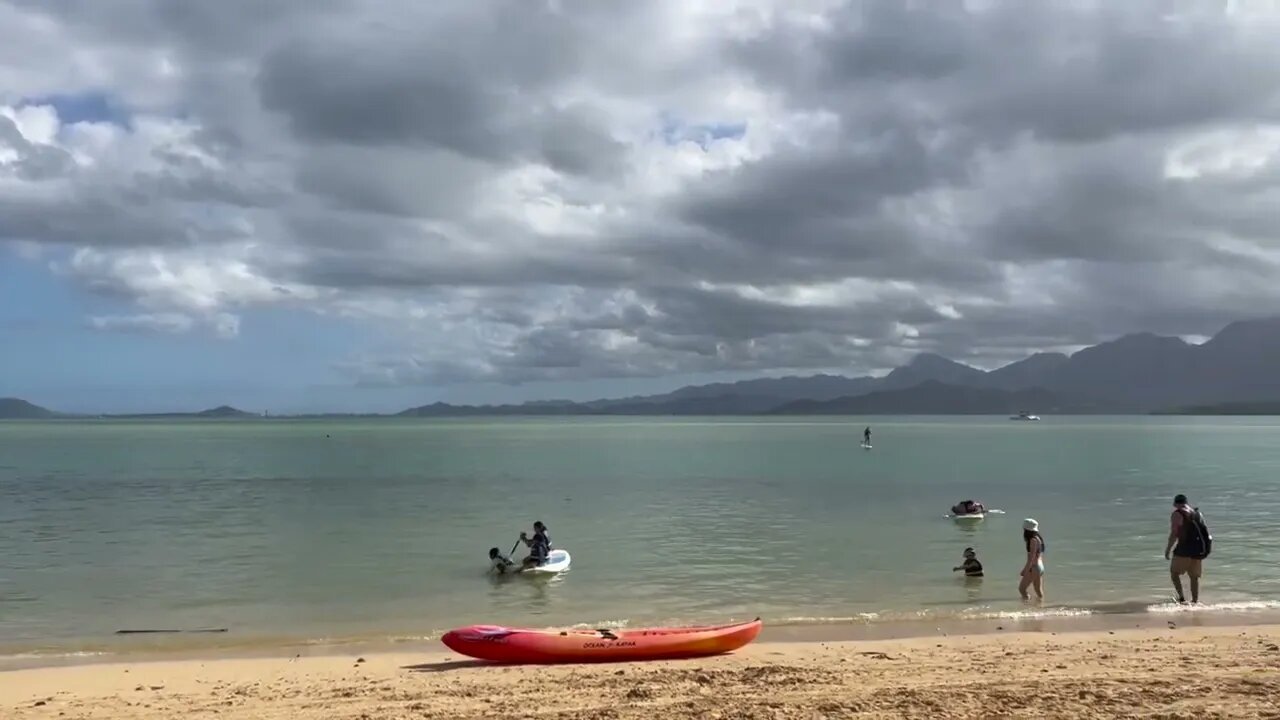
(1024,415)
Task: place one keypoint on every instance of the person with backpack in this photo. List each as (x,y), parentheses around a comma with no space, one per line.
(1189,544)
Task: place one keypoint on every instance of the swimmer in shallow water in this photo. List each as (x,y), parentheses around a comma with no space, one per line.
(972,567)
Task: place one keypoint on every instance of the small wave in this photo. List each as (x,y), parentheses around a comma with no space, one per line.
(52,655)
(1237,606)
(397,639)
(1036,614)
(603,624)
(980,613)
(821,620)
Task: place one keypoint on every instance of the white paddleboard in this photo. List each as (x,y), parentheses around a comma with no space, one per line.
(865,446)
(557,562)
(970,517)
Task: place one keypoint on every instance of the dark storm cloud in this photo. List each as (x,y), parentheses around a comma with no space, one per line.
(1060,70)
(208,30)
(791,198)
(389,180)
(454,88)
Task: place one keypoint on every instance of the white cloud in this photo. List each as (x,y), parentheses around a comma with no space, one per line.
(222,325)
(172,323)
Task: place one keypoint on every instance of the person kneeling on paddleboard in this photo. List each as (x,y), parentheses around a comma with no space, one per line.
(539,545)
(500,562)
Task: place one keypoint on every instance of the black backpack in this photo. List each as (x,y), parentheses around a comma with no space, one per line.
(1196,541)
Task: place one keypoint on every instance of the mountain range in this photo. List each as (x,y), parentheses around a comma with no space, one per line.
(1237,368)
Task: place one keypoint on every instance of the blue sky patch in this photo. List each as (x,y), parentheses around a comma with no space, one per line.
(675,131)
(84,107)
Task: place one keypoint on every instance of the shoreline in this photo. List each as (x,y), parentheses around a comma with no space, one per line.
(1222,671)
(1031,621)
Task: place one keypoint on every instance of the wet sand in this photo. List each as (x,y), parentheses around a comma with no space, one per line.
(1171,672)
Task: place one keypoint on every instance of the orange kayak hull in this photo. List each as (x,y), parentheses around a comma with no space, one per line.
(517,645)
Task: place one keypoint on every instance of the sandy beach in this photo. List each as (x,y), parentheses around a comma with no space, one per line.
(1223,672)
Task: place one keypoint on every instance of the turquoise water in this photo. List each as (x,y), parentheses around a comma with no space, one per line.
(315,531)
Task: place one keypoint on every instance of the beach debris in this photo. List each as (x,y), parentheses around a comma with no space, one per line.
(359,660)
(149,631)
(879,655)
(1273,647)
(157,687)
(639,692)
(41,703)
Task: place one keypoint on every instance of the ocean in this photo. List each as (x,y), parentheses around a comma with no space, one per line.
(301,533)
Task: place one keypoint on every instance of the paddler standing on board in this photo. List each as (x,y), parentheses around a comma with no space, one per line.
(866,436)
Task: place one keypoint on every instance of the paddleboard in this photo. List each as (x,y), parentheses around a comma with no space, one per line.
(865,446)
(557,562)
(970,517)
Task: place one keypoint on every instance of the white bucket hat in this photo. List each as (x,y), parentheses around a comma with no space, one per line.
(1030,524)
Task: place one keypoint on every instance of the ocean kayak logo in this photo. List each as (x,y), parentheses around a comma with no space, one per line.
(614,644)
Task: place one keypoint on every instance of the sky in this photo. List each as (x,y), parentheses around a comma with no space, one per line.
(364,206)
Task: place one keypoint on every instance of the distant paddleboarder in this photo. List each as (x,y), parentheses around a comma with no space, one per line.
(866,436)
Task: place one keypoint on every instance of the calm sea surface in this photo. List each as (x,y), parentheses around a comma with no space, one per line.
(321,531)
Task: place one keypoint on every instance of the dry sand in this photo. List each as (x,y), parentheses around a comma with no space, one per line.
(1174,673)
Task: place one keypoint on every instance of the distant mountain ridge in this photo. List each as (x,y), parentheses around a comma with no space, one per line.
(930,397)
(18,409)
(1136,373)
(1238,368)
(223,412)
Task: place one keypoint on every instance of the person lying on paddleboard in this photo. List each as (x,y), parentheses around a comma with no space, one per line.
(499,562)
(967,507)
(539,545)
(971,566)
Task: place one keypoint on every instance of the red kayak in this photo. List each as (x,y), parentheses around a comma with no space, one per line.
(516,645)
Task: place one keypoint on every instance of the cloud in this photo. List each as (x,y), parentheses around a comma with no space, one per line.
(223,325)
(563,189)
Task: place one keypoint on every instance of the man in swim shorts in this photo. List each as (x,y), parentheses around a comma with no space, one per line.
(1184,548)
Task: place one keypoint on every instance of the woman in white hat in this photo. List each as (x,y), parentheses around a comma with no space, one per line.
(1033,570)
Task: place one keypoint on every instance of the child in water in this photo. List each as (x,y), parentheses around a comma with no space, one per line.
(971,567)
(499,562)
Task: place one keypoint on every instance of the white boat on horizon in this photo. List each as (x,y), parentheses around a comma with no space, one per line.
(1024,415)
